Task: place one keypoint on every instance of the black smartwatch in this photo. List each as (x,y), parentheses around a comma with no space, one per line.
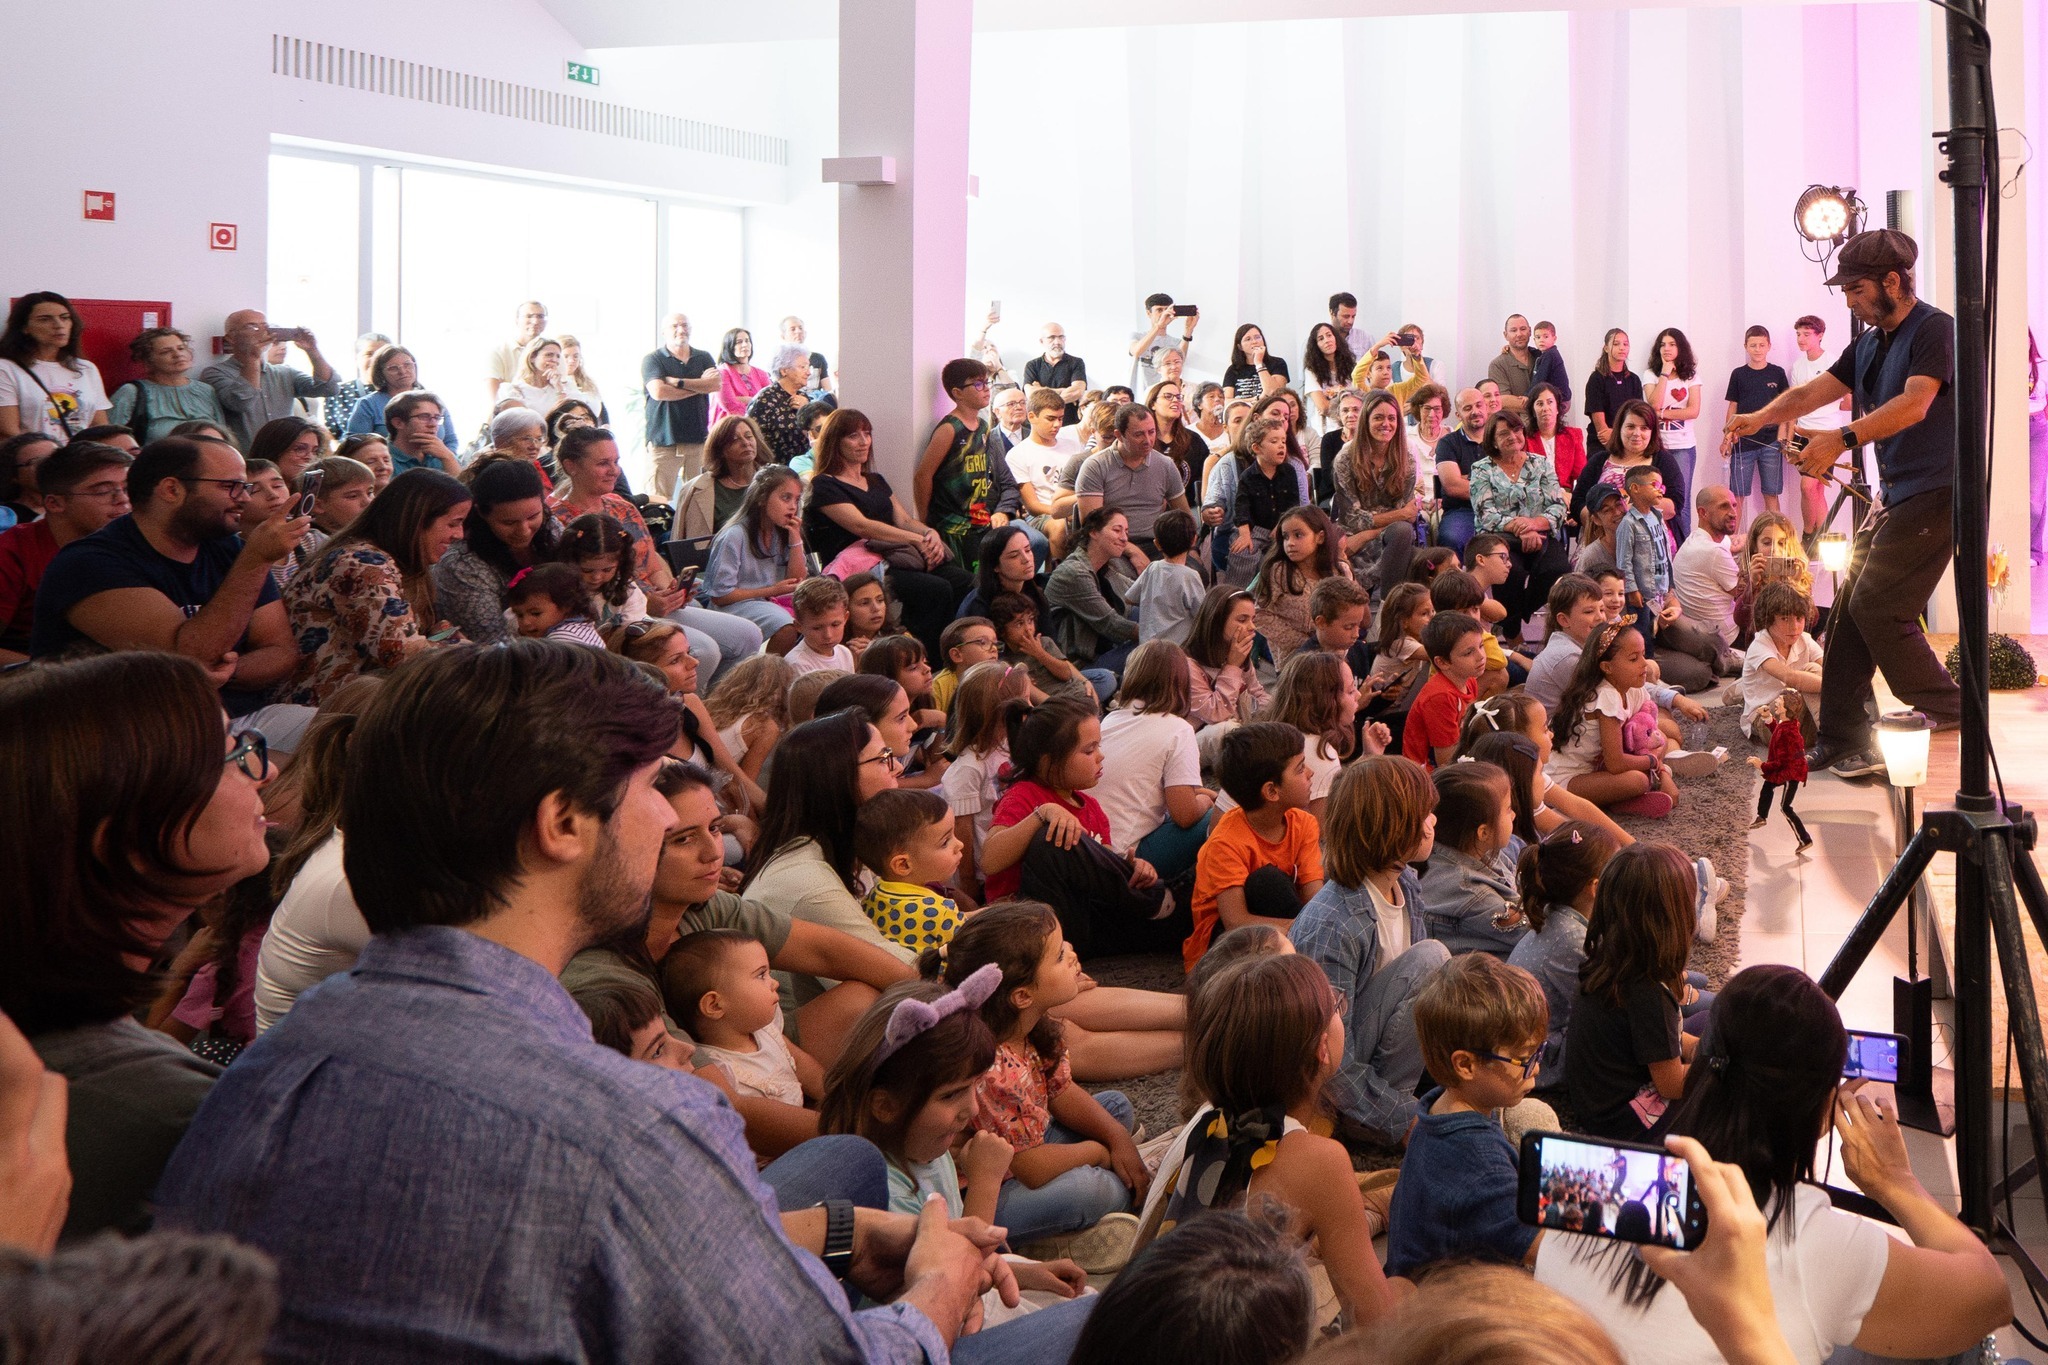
(1848,435)
(838,1255)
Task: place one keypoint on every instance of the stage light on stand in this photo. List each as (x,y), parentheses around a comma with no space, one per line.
(1834,551)
(1827,213)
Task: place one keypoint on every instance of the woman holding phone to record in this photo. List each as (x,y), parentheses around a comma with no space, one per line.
(1762,1094)
(365,602)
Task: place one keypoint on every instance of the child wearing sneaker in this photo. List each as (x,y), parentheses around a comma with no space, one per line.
(1264,1037)
(1482,1026)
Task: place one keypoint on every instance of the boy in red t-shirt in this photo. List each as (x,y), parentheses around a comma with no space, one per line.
(1457,656)
(1264,858)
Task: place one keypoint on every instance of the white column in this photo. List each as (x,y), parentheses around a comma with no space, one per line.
(903,87)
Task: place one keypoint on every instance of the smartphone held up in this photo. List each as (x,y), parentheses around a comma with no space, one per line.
(1627,1191)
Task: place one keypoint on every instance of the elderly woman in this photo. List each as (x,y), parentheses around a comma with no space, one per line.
(590,463)
(364,603)
(731,454)
(1374,499)
(342,404)
(373,451)
(393,371)
(521,434)
(1516,495)
(169,394)
(775,409)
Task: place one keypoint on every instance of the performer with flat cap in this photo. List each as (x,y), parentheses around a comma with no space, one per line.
(1901,371)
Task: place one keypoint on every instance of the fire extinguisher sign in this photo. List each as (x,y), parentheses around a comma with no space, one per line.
(221,236)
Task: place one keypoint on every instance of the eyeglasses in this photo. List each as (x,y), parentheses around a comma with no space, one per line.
(251,744)
(235,487)
(887,756)
(110,492)
(1527,1064)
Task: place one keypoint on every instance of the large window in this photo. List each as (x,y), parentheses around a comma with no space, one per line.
(450,256)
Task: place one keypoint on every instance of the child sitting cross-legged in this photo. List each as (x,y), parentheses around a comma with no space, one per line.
(1074,1167)
(1263,858)
(1468,893)
(1457,656)
(820,605)
(1605,747)
(1265,1035)
(1482,1025)
(718,987)
(907,1082)
(905,836)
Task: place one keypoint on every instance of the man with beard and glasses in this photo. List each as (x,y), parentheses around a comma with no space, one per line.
(443,1162)
(174,575)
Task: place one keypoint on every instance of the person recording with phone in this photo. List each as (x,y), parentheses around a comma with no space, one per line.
(1762,1093)
(1160,311)
(253,391)
(1902,372)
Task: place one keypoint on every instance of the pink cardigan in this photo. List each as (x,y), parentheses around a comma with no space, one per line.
(736,389)
(1223,696)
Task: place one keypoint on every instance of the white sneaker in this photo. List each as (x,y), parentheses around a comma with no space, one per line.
(1713,889)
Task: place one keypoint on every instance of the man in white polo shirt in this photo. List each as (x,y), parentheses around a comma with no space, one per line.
(1704,575)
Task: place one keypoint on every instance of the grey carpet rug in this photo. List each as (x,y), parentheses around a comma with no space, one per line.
(1711,820)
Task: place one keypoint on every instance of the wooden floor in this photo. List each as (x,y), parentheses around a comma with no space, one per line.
(2019,730)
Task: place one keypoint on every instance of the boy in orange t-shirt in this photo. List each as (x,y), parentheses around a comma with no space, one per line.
(1457,656)
(1264,858)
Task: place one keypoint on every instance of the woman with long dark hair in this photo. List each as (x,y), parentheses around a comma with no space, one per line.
(1176,442)
(1090,621)
(1673,393)
(802,861)
(732,452)
(293,444)
(146,807)
(45,384)
(1253,370)
(1634,442)
(1326,366)
(1762,1093)
(850,504)
(759,556)
(365,602)
(1374,497)
(508,529)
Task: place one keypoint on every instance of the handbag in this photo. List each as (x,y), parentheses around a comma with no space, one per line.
(898,555)
(138,416)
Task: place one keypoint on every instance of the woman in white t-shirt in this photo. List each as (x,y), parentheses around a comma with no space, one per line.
(1151,787)
(1761,1094)
(1673,392)
(45,385)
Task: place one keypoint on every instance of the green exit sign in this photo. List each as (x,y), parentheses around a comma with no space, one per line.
(582,74)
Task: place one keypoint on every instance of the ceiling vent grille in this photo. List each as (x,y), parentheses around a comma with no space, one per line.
(303,59)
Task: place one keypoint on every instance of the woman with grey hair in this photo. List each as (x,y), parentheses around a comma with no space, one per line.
(774,409)
(522,432)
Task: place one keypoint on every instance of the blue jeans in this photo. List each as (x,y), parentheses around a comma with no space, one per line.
(1172,850)
(1070,1202)
(1111,661)
(837,1166)
(1104,683)
(718,640)
(1047,1335)
(1686,459)
(1455,528)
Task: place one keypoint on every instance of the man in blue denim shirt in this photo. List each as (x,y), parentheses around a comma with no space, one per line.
(442,1161)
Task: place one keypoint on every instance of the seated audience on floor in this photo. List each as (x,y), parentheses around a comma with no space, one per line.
(1556,881)
(716,984)
(1263,858)
(174,575)
(1481,1025)
(1091,619)
(1782,655)
(818,606)
(1151,787)
(1468,892)
(1167,593)
(1223,684)
(84,486)
(1456,591)
(1265,1035)
(1452,642)
(906,840)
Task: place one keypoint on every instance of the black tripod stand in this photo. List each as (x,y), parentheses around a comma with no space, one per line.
(1992,844)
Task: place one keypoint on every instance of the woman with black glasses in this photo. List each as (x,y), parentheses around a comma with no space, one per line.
(148,807)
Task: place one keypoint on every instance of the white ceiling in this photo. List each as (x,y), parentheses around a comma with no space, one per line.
(668,23)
